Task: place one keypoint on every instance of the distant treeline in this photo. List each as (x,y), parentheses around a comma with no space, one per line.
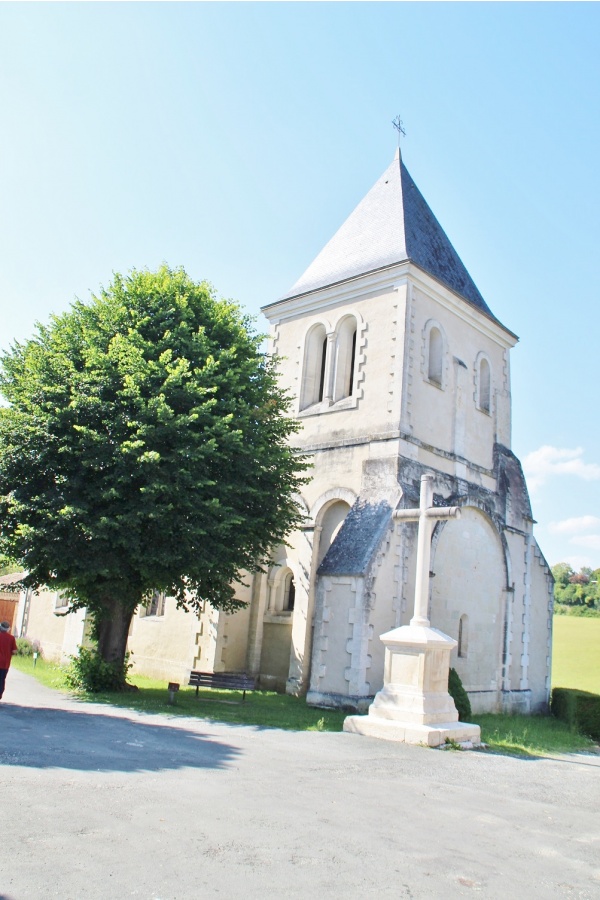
(576,593)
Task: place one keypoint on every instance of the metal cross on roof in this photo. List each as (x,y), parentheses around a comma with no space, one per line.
(399,126)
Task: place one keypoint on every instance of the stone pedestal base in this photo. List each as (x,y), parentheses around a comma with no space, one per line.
(414,706)
(467,736)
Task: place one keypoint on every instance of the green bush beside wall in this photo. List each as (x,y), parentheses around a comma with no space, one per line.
(459,695)
(579,709)
(24,647)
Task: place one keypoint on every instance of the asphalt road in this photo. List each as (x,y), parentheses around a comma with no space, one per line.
(98,802)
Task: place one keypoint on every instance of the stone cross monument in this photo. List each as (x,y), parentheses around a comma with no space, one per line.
(414,705)
(426,515)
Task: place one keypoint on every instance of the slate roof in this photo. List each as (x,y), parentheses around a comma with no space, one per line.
(392,224)
(358,539)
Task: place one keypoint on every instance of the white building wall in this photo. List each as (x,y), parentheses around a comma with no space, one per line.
(163,646)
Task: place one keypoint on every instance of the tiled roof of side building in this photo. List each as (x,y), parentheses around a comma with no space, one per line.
(392,224)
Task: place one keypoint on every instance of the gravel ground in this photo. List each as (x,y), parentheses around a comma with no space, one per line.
(99,802)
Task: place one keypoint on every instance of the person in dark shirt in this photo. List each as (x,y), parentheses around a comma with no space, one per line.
(8,648)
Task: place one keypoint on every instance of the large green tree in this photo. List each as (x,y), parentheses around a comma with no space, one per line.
(145,445)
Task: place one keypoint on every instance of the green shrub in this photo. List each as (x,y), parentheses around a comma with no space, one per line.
(459,695)
(579,709)
(587,612)
(90,673)
(24,647)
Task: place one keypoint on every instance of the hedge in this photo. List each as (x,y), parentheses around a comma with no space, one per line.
(579,709)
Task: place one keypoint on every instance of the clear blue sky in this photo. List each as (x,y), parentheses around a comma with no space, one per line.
(234,139)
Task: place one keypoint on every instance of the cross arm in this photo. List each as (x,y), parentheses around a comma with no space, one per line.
(443,512)
(409,515)
(434,512)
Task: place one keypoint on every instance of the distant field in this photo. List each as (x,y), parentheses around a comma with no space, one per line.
(576,653)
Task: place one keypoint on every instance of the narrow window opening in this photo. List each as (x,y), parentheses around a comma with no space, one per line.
(462,637)
(315,365)
(484,385)
(289,597)
(436,347)
(352,359)
(322,375)
(345,357)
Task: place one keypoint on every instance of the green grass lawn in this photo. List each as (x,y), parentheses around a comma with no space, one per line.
(576,653)
(576,664)
(262,708)
(530,735)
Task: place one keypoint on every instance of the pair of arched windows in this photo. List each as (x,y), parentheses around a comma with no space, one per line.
(436,353)
(329,364)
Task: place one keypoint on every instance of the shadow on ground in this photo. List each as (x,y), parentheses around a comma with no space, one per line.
(56,738)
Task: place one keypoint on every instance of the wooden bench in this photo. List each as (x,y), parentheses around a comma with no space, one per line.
(230,681)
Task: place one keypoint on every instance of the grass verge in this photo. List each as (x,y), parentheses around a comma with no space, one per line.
(530,735)
(519,735)
(47,673)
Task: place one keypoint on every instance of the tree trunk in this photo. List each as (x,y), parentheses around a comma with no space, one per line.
(112,630)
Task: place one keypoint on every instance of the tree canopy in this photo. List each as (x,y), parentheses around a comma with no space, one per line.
(145,445)
(576,589)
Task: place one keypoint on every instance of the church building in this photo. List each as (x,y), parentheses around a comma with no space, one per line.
(398,368)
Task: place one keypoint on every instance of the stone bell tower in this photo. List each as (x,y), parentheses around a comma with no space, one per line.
(399,368)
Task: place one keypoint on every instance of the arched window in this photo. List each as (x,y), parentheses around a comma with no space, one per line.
(345,358)
(289,592)
(484,385)
(463,637)
(315,366)
(435,356)
(331,522)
